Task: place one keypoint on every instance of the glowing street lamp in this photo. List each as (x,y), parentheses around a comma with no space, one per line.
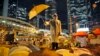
(94,5)
(4,21)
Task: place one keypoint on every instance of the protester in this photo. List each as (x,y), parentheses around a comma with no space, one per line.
(55,28)
(9,38)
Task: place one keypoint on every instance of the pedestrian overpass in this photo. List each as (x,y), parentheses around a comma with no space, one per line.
(12,23)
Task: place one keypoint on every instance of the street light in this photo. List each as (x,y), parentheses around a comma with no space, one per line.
(94,5)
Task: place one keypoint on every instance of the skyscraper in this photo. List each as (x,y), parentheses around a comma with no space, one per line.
(78,12)
(95,12)
(60,7)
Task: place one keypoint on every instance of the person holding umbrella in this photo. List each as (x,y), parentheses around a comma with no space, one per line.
(55,28)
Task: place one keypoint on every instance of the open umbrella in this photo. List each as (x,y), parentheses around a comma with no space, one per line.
(36,10)
(64,52)
(81,33)
(96,31)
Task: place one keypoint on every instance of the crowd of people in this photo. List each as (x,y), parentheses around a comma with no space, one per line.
(43,41)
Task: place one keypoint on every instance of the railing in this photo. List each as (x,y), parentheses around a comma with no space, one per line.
(13,23)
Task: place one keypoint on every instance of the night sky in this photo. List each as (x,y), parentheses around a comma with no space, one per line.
(1,6)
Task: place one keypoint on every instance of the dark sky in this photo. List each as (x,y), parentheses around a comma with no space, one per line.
(62,12)
(1,6)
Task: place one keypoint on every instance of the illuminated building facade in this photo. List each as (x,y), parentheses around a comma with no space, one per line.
(78,12)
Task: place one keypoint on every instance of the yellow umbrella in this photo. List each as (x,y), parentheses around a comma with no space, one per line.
(64,52)
(36,10)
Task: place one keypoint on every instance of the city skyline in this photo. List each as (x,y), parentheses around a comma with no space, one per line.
(22,8)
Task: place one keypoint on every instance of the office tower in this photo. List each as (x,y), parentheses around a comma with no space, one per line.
(78,12)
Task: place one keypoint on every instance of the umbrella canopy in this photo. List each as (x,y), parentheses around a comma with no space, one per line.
(36,10)
(77,52)
(96,31)
(81,33)
(19,51)
(64,52)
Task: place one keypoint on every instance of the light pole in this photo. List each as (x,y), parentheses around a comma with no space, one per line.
(70,25)
(5,8)
(69,17)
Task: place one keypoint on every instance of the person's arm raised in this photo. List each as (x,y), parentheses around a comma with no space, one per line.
(46,23)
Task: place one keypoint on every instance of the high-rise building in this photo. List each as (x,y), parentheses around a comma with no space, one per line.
(60,7)
(18,9)
(78,12)
(95,14)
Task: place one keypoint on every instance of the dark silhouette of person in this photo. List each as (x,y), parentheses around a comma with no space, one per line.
(10,38)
